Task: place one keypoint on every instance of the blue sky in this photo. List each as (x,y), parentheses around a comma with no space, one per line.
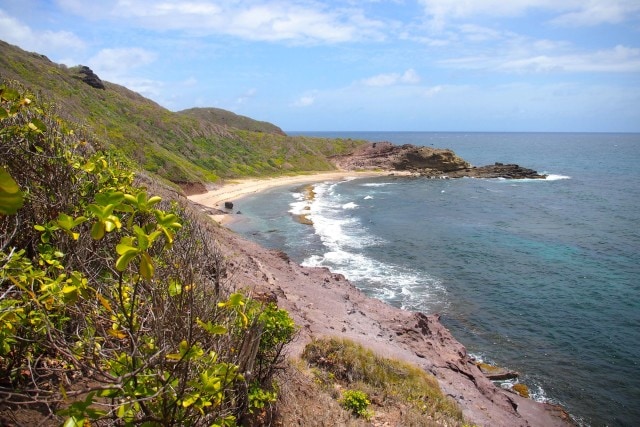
(424,65)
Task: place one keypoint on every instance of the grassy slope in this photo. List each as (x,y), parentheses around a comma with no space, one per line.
(227,118)
(197,145)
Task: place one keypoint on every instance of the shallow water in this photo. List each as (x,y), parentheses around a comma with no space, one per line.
(542,277)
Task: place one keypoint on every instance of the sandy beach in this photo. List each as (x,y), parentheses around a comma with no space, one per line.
(232,191)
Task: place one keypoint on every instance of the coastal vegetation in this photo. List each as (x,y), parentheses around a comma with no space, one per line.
(115,303)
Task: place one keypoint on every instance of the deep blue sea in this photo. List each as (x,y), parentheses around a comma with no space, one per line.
(542,277)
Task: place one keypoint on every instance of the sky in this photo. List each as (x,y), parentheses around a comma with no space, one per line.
(368,65)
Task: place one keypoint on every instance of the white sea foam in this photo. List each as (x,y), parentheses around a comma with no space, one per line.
(554,177)
(550,177)
(538,394)
(383,281)
(298,208)
(344,238)
(377,184)
(368,197)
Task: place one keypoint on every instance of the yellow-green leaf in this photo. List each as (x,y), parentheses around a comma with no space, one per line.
(123,261)
(118,334)
(146,266)
(74,422)
(190,400)
(11,198)
(104,302)
(98,230)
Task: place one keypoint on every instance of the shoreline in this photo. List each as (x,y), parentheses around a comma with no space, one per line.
(326,304)
(235,190)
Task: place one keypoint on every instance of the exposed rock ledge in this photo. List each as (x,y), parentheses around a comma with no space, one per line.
(426,161)
(326,304)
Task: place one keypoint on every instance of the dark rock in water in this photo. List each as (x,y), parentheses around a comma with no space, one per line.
(89,77)
(495,373)
(228,205)
(521,389)
(499,170)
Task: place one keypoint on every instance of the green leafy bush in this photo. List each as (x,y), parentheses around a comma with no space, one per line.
(113,302)
(357,402)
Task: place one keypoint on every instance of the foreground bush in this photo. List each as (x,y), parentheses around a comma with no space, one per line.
(114,305)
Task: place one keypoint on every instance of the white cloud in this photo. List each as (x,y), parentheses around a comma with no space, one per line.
(477,33)
(432,91)
(408,77)
(569,12)
(272,20)
(148,88)
(599,12)
(248,94)
(620,59)
(115,63)
(48,42)
(190,82)
(305,100)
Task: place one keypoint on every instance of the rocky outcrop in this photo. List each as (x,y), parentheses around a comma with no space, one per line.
(388,156)
(87,75)
(425,161)
(498,170)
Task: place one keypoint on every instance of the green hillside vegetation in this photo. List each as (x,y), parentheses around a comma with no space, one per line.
(197,145)
(232,120)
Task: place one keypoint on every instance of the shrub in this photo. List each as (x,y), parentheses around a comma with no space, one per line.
(357,402)
(113,302)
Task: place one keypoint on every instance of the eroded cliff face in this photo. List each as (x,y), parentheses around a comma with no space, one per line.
(426,161)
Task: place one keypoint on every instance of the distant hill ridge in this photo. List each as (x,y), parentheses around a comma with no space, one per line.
(197,145)
(230,119)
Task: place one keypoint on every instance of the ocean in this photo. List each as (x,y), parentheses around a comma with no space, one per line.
(539,276)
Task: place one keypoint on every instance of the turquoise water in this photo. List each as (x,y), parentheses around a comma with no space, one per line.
(542,277)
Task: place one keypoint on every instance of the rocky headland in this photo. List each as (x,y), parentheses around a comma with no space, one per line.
(426,161)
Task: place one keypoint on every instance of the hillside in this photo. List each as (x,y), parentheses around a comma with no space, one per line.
(196,145)
(232,120)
